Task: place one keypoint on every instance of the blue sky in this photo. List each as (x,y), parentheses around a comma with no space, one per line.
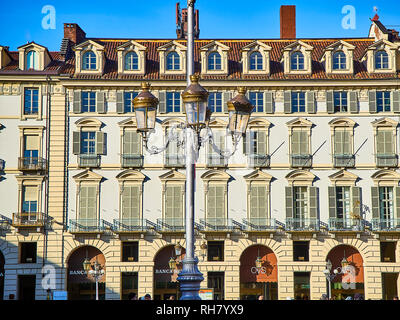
(249,19)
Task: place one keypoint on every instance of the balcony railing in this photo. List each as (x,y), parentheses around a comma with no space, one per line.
(344,160)
(259,224)
(301,160)
(89,160)
(2,164)
(386,225)
(130,225)
(259,160)
(174,160)
(132,160)
(217,224)
(86,225)
(215,161)
(32,164)
(350,224)
(295,224)
(28,219)
(386,160)
(171,225)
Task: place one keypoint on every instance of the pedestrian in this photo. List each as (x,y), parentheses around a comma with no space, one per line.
(261,297)
(324,297)
(132,296)
(147,297)
(171,298)
(348,298)
(396,298)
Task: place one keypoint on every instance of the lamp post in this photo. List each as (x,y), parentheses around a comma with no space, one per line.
(95,270)
(330,276)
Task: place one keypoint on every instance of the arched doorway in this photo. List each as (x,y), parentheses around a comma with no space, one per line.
(80,286)
(258,280)
(165,279)
(2,263)
(350,278)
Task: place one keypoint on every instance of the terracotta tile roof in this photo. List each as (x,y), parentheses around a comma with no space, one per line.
(55,65)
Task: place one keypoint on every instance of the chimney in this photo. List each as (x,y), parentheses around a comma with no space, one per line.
(288,22)
(182,23)
(74,33)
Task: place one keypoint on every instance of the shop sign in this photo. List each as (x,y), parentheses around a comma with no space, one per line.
(166,271)
(206,294)
(262,270)
(77,272)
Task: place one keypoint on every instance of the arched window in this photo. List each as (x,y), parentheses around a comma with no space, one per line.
(339,60)
(131,61)
(214,61)
(32,60)
(381,60)
(89,61)
(256,61)
(297,61)
(173,61)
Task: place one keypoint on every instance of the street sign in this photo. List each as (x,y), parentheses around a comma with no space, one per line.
(60,295)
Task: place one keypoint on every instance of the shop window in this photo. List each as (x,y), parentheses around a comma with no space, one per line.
(301,250)
(28,252)
(388,251)
(215,280)
(130,251)
(129,284)
(215,250)
(302,285)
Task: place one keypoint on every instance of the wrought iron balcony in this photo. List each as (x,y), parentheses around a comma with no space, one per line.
(217,224)
(386,225)
(130,225)
(32,164)
(2,164)
(215,161)
(301,160)
(344,160)
(131,160)
(294,224)
(89,160)
(86,226)
(259,224)
(28,219)
(259,160)
(174,160)
(350,224)
(171,225)
(386,160)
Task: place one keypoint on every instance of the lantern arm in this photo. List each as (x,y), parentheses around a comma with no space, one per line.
(173,135)
(223,153)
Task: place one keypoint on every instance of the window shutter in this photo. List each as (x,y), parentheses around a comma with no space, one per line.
(375,202)
(289,202)
(262,142)
(372,101)
(254,213)
(77,104)
(83,202)
(76,142)
(332,202)
(178,203)
(227,97)
(246,143)
(220,204)
(31,142)
(380,142)
(353,102)
(311,107)
(136,139)
(100,103)
(313,202)
(127,142)
(100,142)
(329,102)
(120,102)
(396,101)
(356,200)
(295,142)
(268,102)
(91,203)
(30,193)
(169,199)
(287,102)
(126,202)
(162,101)
(397,195)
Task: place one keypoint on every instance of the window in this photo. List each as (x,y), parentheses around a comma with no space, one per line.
(297,61)
(88,205)
(258,205)
(131,153)
(256,61)
(173,102)
(31,101)
(174,155)
(129,284)
(128,101)
(89,61)
(383,101)
(31,151)
(301,250)
(386,204)
(130,204)
(173,61)
(88,142)
(215,280)
(215,101)
(300,202)
(381,60)
(88,101)
(342,142)
(32,60)
(214,61)
(298,102)
(340,101)
(131,61)
(28,252)
(216,205)
(388,251)
(30,200)
(130,251)
(257,147)
(384,142)
(257,100)
(214,158)
(215,251)
(301,285)
(343,202)
(173,214)
(339,60)
(299,142)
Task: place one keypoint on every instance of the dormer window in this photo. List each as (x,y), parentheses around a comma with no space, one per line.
(256,61)
(339,60)
(381,60)
(173,61)
(89,61)
(214,61)
(32,60)
(297,61)
(131,61)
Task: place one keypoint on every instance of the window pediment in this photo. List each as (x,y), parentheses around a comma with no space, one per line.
(169,122)
(299,122)
(88,176)
(165,50)
(215,175)
(86,47)
(386,177)
(254,47)
(342,122)
(343,177)
(129,47)
(300,177)
(297,47)
(258,176)
(33,56)
(130,122)
(328,57)
(89,123)
(381,46)
(217,123)
(173,175)
(211,48)
(385,122)
(131,175)
(259,123)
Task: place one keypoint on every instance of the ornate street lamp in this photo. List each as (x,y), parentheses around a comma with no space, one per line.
(239,109)
(258,261)
(95,270)
(172,263)
(178,249)
(203,248)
